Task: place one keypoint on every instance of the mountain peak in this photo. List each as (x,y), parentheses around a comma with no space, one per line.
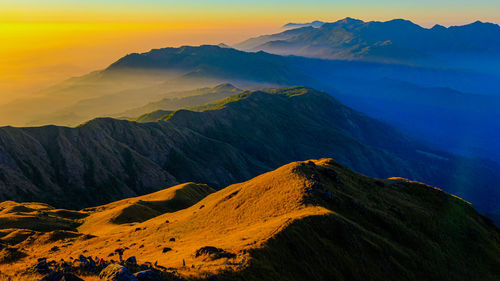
(403,23)
(438,27)
(224,86)
(227,84)
(223,45)
(349,20)
(315,24)
(478,25)
(345,22)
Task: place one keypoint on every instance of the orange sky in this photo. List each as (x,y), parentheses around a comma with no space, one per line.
(41,54)
(44,42)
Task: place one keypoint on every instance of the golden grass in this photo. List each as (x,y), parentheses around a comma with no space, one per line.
(238,218)
(245,218)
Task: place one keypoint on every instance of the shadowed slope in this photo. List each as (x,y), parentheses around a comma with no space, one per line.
(242,136)
(36,217)
(139,209)
(41,223)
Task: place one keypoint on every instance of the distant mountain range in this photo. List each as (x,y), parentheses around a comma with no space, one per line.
(473,46)
(433,104)
(309,220)
(453,110)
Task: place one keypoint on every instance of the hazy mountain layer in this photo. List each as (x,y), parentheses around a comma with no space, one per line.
(407,97)
(139,79)
(183,100)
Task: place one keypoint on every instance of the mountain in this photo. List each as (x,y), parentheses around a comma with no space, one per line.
(255,42)
(213,64)
(394,41)
(311,220)
(209,62)
(314,24)
(365,86)
(137,79)
(183,100)
(114,104)
(60,102)
(242,136)
(460,122)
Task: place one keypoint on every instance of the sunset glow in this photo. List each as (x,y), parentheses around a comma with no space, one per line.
(44,43)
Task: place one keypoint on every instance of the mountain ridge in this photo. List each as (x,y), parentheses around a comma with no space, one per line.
(358,40)
(220,144)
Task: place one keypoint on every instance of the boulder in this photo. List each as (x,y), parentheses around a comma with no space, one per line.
(42,267)
(213,277)
(131,260)
(116,272)
(214,253)
(149,275)
(57,276)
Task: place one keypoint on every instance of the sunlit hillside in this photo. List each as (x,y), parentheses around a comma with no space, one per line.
(333,218)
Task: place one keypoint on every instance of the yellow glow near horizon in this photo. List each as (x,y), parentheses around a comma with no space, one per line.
(44,42)
(40,54)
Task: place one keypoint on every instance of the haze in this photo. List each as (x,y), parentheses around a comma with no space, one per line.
(45,43)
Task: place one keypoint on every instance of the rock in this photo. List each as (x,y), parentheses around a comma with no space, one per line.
(116,272)
(42,267)
(166,249)
(148,275)
(172,239)
(214,253)
(131,260)
(54,249)
(119,250)
(328,195)
(213,277)
(70,277)
(55,276)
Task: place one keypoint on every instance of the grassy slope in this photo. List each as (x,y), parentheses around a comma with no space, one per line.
(380,230)
(37,225)
(285,225)
(138,209)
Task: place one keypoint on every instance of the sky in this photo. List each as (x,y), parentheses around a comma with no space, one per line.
(45,42)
